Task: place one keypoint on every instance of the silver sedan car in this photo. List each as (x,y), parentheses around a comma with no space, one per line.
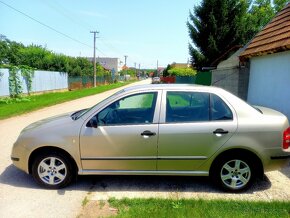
(181,130)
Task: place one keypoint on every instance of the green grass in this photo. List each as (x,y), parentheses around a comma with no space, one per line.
(199,208)
(40,101)
(85,201)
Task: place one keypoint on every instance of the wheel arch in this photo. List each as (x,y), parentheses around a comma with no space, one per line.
(244,152)
(50,149)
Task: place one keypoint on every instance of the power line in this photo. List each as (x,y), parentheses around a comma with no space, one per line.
(64,12)
(43,24)
(49,27)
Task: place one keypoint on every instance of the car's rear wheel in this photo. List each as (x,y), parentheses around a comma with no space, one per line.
(52,170)
(234,173)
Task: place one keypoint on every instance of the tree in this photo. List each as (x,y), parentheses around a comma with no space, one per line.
(38,57)
(216,26)
(260,13)
(165,71)
(4,48)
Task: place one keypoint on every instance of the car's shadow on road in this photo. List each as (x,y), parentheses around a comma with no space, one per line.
(179,184)
(14,177)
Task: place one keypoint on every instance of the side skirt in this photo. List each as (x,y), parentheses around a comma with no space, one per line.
(157,173)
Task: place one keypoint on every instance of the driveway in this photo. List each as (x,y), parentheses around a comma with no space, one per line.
(21,197)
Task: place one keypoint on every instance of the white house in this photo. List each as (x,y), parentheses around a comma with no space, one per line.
(269,57)
(111,64)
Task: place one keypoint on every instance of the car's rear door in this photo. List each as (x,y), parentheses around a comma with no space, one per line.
(194,125)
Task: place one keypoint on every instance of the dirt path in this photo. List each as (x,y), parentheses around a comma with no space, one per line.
(19,195)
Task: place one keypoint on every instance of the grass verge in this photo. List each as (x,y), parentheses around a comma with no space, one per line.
(198,208)
(36,102)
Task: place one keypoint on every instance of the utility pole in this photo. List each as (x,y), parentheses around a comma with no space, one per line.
(157,69)
(125,66)
(95,74)
(126,60)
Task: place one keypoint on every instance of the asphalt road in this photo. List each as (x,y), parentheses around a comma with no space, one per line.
(19,195)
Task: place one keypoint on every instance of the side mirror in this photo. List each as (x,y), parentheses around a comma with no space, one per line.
(93,123)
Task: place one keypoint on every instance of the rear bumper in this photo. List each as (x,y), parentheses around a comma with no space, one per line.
(284,157)
(277,162)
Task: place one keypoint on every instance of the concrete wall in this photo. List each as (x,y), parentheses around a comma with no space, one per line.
(234,80)
(269,83)
(42,81)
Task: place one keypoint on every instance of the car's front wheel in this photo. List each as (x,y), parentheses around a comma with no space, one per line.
(233,173)
(52,170)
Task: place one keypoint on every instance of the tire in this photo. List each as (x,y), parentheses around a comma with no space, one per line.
(52,170)
(234,173)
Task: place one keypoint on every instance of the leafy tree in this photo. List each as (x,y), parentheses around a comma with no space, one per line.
(13,55)
(215,26)
(260,13)
(166,70)
(38,57)
(128,71)
(4,48)
(33,56)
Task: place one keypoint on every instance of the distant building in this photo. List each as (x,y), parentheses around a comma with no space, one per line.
(108,63)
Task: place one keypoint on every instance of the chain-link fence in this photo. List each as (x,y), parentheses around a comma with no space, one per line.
(80,82)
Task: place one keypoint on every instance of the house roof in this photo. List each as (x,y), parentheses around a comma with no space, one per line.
(273,38)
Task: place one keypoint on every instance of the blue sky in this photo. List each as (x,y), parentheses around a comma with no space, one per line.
(146,31)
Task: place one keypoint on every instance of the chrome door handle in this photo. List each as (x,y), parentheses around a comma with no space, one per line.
(148,133)
(220,131)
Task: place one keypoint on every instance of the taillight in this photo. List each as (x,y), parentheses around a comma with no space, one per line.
(286,138)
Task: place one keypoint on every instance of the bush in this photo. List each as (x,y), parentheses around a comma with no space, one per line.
(182,72)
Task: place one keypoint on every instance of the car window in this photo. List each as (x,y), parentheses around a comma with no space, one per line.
(134,109)
(219,109)
(187,106)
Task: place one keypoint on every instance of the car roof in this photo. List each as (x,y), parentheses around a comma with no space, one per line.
(170,87)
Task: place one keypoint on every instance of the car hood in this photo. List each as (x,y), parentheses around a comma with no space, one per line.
(50,122)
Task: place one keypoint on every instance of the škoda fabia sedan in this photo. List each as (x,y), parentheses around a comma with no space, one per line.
(181,130)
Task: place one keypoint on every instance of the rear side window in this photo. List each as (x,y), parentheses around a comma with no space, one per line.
(219,109)
(187,106)
(195,107)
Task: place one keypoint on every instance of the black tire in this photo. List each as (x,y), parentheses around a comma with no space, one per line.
(52,170)
(233,173)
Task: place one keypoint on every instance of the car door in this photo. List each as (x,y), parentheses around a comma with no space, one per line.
(124,137)
(194,125)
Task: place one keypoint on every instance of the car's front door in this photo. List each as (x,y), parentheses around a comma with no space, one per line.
(195,125)
(122,136)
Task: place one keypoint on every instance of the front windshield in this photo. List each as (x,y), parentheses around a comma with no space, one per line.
(80,113)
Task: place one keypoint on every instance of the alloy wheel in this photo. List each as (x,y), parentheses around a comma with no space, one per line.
(235,174)
(52,171)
